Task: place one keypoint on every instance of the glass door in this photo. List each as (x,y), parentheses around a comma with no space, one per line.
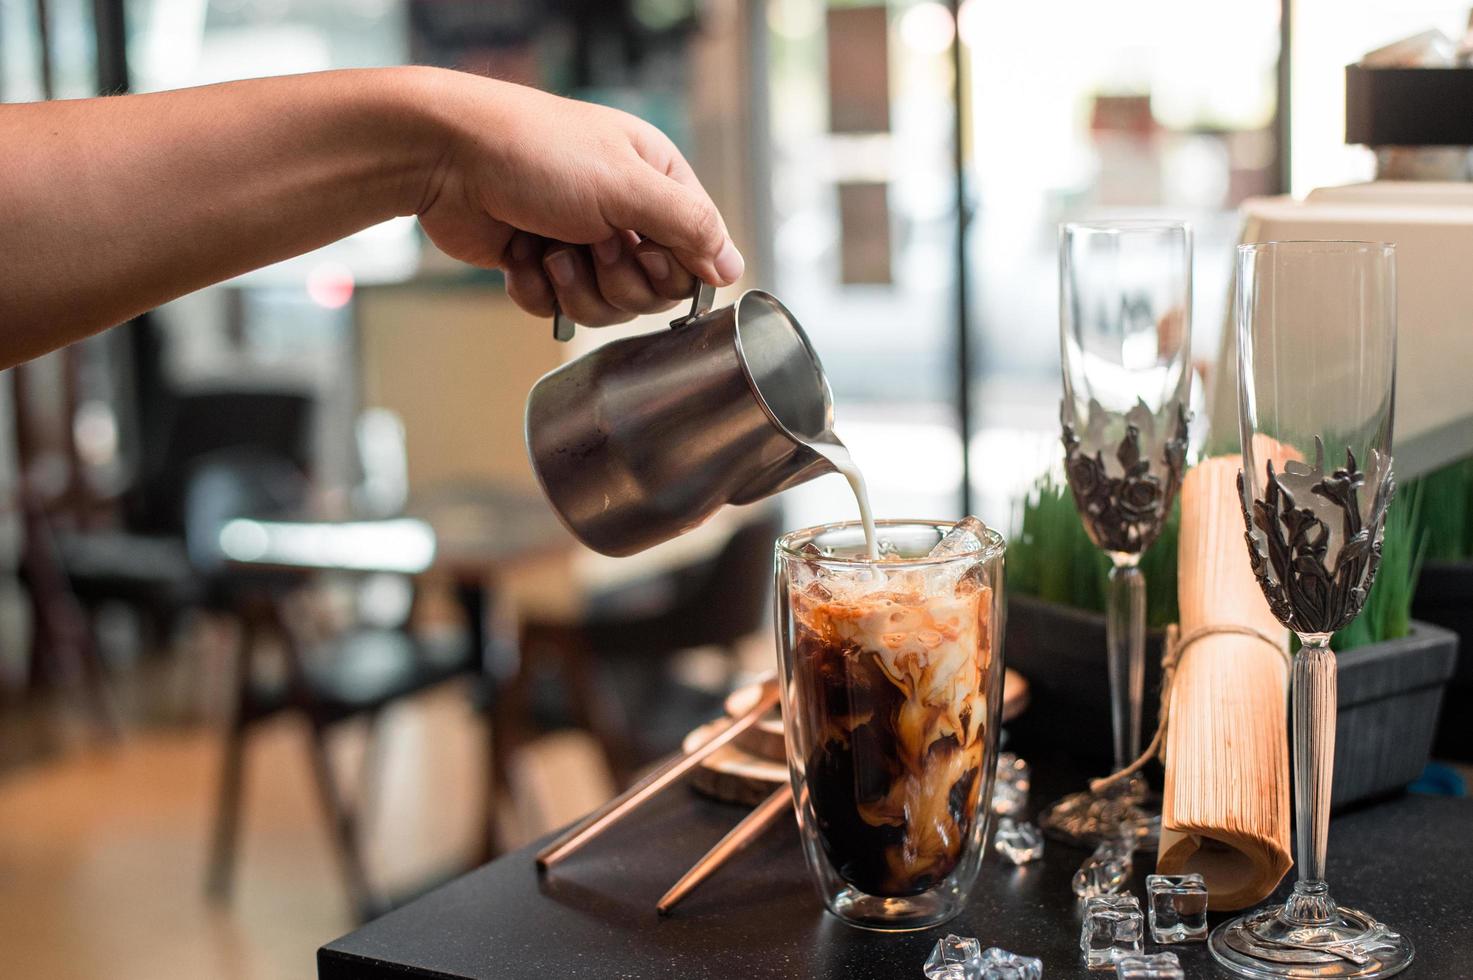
(864,219)
(1081,109)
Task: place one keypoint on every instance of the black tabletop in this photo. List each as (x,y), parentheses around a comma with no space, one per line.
(1407,860)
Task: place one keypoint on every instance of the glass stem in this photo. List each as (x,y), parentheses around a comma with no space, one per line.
(1125,637)
(1314,770)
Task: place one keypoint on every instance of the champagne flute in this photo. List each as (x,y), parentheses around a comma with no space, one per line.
(1316,386)
(1125,299)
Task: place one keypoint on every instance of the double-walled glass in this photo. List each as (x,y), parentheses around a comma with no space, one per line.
(892,694)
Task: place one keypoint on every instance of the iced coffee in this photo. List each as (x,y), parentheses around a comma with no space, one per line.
(894,687)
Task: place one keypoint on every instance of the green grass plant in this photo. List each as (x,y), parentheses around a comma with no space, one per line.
(1445,520)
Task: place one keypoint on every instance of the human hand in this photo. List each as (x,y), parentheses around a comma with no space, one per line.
(579,204)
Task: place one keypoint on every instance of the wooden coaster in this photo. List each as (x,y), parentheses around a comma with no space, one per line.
(731,773)
(764,739)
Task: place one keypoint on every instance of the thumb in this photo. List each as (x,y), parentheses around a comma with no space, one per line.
(681,218)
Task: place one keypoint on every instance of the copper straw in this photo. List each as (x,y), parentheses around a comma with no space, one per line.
(631,799)
(750,828)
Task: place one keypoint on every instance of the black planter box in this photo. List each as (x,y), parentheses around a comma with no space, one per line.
(1445,597)
(1061,651)
(1389,695)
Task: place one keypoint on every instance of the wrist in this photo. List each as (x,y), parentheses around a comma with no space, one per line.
(411,102)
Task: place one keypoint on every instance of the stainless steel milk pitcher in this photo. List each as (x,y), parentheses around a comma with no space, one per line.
(645,438)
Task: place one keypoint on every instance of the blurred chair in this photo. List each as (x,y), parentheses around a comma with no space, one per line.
(86,543)
(193,427)
(355,674)
(142,562)
(641,627)
(63,649)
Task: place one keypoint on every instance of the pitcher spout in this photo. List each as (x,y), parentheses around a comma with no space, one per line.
(802,466)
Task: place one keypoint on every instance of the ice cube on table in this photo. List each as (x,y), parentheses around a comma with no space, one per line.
(1010,789)
(1105,871)
(1113,929)
(966,535)
(954,958)
(1156,966)
(1018,842)
(961,958)
(1176,908)
(999,964)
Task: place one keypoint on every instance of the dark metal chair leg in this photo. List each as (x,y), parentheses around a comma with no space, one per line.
(342,827)
(370,767)
(594,689)
(221,880)
(498,647)
(504,735)
(105,711)
(63,651)
(221,876)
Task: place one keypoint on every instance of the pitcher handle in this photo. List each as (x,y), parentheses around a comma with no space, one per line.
(701,300)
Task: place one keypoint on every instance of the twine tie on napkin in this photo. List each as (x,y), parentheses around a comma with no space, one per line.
(1177,646)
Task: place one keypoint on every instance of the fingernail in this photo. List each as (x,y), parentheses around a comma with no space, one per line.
(521,248)
(560,267)
(607,251)
(729,264)
(655,264)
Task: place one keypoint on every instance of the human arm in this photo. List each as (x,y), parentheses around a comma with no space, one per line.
(109,207)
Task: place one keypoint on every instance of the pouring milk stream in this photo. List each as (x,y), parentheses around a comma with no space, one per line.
(838,454)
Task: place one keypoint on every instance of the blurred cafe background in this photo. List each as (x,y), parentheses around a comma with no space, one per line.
(287,633)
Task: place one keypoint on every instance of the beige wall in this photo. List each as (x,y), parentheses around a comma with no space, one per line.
(455,361)
(724,136)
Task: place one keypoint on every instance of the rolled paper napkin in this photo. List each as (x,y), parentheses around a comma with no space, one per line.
(1225,811)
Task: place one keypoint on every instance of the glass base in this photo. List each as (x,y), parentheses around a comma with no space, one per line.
(857,908)
(1085,819)
(1272,943)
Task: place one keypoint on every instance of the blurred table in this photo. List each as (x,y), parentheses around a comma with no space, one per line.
(1405,860)
(465,530)
(483,529)
(472,532)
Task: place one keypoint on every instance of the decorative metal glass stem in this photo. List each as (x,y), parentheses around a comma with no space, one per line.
(1314,771)
(1125,637)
